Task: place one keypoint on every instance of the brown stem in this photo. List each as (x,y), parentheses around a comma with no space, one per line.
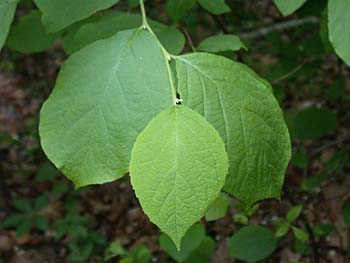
(189,39)
(220,23)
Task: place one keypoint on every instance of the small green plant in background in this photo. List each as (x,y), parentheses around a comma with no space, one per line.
(137,254)
(196,247)
(83,243)
(252,243)
(285,225)
(244,212)
(28,216)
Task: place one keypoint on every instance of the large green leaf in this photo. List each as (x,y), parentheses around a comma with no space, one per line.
(7,12)
(178,167)
(242,108)
(252,243)
(59,14)
(105,95)
(215,7)
(106,25)
(176,9)
(289,6)
(29,36)
(339,27)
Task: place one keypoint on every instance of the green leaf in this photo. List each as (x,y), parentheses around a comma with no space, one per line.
(42,223)
(241,218)
(106,25)
(310,183)
(252,243)
(171,38)
(204,252)
(14,220)
(176,9)
(24,228)
(134,3)
(294,213)
(114,249)
(337,163)
(313,123)
(104,96)
(60,188)
(337,89)
(178,167)
(322,230)
(46,172)
(191,241)
(283,229)
(289,6)
(59,14)
(221,43)
(324,33)
(299,159)
(300,234)
(339,29)
(242,108)
(218,208)
(302,247)
(216,7)
(23,205)
(7,12)
(40,202)
(139,254)
(29,30)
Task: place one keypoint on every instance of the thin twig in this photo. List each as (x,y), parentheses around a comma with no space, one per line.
(327,145)
(281,26)
(220,24)
(189,39)
(292,72)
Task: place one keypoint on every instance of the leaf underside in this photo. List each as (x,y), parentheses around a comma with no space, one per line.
(105,95)
(244,111)
(178,167)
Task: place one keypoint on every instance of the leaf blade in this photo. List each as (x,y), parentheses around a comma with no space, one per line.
(238,103)
(7,13)
(106,25)
(215,7)
(184,157)
(221,43)
(59,14)
(89,124)
(252,243)
(288,7)
(29,30)
(339,34)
